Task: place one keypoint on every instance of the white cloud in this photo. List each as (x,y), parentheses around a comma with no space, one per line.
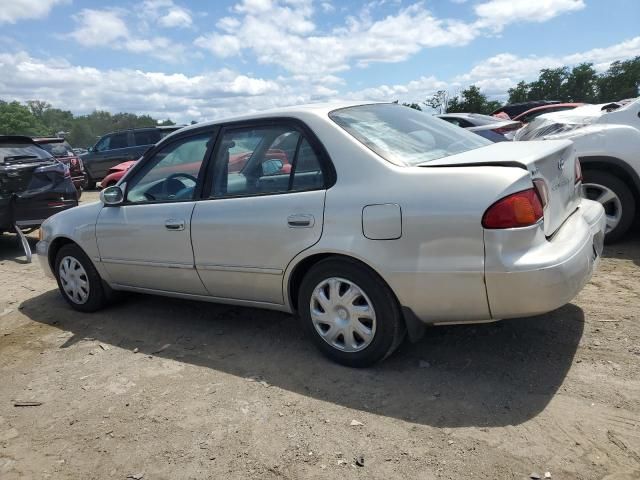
(283,33)
(166,14)
(498,13)
(178,96)
(108,28)
(13,11)
(99,27)
(496,74)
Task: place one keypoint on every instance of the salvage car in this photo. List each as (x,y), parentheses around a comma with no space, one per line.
(607,139)
(33,186)
(62,151)
(388,220)
(491,128)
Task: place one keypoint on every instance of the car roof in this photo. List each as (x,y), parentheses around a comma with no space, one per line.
(16,139)
(551,106)
(318,109)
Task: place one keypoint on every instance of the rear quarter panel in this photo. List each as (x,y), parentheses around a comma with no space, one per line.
(437,266)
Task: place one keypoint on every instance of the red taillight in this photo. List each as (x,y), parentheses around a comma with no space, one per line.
(578,171)
(520,209)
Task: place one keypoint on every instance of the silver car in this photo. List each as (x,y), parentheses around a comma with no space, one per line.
(368,221)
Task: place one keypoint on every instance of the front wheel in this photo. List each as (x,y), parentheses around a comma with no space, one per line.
(350,313)
(78,280)
(616,198)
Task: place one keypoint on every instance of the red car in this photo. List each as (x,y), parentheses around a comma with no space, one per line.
(529,115)
(62,151)
(236,162)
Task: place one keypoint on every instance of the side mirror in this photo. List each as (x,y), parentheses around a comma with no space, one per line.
(112,196)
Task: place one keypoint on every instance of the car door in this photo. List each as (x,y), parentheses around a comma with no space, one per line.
(262,209)
(146,241)
(110,151)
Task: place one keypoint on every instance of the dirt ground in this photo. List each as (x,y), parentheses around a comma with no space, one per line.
(158,388)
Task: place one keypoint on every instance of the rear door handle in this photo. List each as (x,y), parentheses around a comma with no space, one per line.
(173,224)
(301,220)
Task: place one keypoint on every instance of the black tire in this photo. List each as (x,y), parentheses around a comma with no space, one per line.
(390,327)
(627,200)
(99,292)
(91,183)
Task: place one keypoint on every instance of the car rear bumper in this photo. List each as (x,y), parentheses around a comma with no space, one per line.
(529,281)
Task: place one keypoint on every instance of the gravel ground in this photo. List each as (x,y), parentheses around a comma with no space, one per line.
(160,388)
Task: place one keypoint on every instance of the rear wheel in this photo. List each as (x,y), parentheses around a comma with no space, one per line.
(91,183)
(350,313)
(78,280)
(616,198)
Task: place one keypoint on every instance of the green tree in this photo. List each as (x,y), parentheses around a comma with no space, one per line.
(620,81)
(582,84)
(16,119)
(519,93)
(550,84)
(472,100)
(414,105)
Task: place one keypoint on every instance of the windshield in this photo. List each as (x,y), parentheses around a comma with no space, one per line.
(405,136)
(58,149)
(10,152)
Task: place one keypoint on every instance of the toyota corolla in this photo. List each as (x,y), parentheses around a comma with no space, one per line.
(388,220)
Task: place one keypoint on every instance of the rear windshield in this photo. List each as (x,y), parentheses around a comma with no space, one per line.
(405,136)
(58,149)
(18,152)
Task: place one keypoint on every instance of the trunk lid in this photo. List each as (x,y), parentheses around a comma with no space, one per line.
(550,161)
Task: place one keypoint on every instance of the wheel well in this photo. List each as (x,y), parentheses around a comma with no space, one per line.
(305,265)
(55,247)
(614,169)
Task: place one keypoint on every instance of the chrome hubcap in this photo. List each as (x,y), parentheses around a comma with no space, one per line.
(608,199)
(74,280)
(343,315)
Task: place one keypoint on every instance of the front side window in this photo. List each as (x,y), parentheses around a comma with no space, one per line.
(171,174)
(104,144)
(405,136)
(262,160)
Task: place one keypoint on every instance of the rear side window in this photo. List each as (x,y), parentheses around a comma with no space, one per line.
(405,136)
(146,137)
(119,140)
(58,149)
(264,160)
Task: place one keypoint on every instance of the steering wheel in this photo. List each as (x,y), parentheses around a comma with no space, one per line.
(167,181)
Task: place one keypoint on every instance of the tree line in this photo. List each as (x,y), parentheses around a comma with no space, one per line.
(39,118)
(578,84)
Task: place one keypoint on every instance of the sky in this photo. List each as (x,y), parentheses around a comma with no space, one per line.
(202,60)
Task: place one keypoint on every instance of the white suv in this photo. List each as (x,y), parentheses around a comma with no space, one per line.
(607,139)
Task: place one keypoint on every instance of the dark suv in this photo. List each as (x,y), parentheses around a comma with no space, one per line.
(117,147)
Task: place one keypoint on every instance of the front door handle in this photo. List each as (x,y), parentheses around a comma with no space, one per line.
(173,224)
(301,220)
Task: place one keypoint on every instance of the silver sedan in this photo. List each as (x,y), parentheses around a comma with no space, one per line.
(370,221)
